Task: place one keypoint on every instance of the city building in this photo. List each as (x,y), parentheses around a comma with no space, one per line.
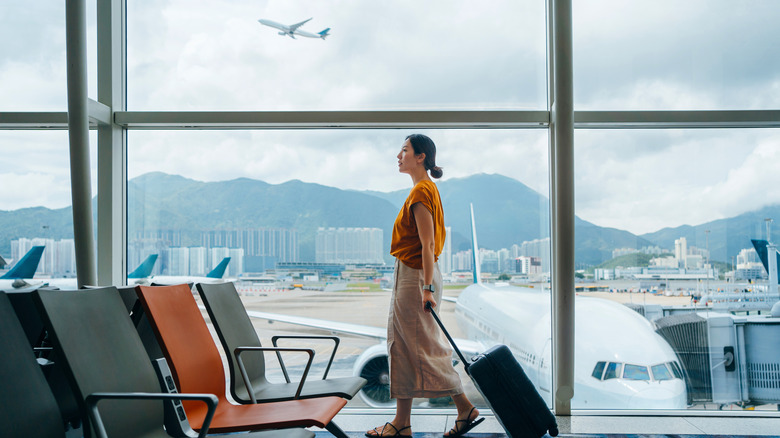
(349,245)
(58,258)
(280,243)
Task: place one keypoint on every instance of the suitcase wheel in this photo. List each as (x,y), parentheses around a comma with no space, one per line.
(554,431)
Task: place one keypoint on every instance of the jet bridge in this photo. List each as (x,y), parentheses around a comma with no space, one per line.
(728,359)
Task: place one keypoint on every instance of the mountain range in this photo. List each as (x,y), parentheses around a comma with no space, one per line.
(506,212)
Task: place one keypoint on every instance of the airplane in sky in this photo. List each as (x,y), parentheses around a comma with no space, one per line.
(23,270)
(215,276)
(620,361)
(294,29)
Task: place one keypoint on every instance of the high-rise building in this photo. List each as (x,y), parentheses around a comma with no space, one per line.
(198,260)
(537,248)
(236,265)
(505,261)
(349,245)
(281,243)
(65,258)
(529,265)
(461,261)
(178,261)
(445,258)
(58,258)
(488,261)
(681,252)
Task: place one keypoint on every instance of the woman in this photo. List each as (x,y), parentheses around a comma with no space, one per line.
(420,357)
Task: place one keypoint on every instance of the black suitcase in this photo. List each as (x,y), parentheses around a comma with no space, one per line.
(510,394)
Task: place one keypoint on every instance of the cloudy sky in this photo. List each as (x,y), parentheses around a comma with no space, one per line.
(713,54)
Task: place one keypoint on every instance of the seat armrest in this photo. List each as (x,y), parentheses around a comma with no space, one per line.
(238,350)
(100,430)
(335,340)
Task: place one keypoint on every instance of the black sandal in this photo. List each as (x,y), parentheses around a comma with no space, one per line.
(467,425)
(381,434)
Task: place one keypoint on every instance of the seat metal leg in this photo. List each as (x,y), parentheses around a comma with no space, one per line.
(335,430)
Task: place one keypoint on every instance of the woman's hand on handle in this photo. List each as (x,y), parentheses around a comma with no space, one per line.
(428,298)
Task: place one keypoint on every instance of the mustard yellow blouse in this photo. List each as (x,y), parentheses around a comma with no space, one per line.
(405,244)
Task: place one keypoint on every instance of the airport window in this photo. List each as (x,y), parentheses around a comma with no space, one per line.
(661,372)
(662,55)
(613,371)
(668,255)
(32,61)
(598,370)
(305,217)
(377,56)
(36,207)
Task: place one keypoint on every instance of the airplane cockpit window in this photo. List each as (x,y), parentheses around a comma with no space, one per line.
(661,372)
(636,372)
(598,371)
(613,370)
(675,366)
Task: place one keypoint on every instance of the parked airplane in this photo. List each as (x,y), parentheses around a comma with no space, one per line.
(294,29)
(142,272)
(215,276)
(620,361)
(22,270)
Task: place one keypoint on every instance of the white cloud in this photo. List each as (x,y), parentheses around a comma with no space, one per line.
(678,178)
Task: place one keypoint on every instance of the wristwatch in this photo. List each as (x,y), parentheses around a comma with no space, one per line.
(429,287)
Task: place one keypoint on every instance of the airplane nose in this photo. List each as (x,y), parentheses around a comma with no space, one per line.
(657,398)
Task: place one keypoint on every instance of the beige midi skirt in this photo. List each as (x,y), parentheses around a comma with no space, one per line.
(420,356)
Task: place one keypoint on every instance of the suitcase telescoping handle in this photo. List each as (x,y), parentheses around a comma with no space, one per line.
(447,334)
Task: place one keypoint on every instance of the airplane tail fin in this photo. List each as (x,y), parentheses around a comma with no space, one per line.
(219,271)
(324,33)
(27,265)
(760,246)
(477,270)
(144,270)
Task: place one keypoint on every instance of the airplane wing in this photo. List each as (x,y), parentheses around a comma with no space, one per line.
(377,333)
(468,348)
(297,25)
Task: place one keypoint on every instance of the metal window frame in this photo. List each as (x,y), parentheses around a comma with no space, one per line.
(110,117)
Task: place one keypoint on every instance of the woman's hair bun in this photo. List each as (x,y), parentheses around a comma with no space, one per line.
(436,172)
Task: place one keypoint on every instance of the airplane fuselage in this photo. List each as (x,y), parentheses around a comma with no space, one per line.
(607,333)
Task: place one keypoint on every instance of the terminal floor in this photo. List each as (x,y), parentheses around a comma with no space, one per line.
(434,425)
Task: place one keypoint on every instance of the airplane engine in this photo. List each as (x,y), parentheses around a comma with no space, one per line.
(373,366)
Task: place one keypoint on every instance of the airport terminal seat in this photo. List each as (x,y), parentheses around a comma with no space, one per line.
(197,367)
(28,406)
(27,313)
(235,330)
(105,359)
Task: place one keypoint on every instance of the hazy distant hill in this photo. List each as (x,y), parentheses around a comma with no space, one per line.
(159,200)
(726,236)
(34,222)
(506,210)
